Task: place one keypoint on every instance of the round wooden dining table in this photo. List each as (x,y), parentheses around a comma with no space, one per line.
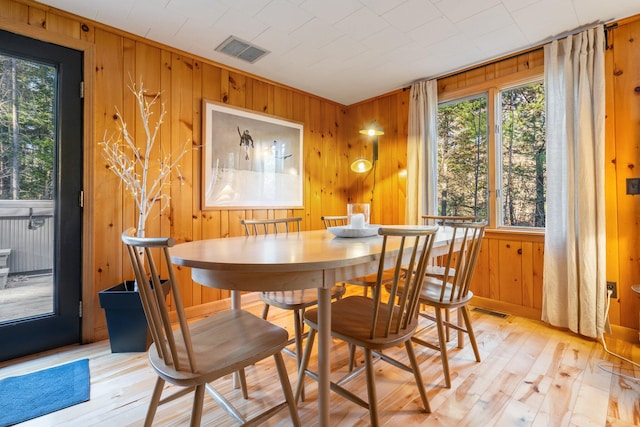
(288,261)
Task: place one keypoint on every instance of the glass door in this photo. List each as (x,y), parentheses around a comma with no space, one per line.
(40,187)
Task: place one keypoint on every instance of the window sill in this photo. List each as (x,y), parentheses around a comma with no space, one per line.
(536,235)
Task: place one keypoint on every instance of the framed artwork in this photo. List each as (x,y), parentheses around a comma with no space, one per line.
(250,160)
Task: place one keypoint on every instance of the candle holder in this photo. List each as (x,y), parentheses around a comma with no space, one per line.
(358,215)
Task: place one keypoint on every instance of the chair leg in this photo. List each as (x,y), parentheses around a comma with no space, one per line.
(443,348)
(297,330)
(472,335)
(371,387)
(286,388)
(265,311)
(243,383)
(196,413)
(352,357)
(460,322)
(417,374)
(304,364)
(153,405)
(447,318)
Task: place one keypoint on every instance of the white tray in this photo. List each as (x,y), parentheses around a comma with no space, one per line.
(346,231)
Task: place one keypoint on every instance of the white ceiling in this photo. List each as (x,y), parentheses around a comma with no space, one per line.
(351,50)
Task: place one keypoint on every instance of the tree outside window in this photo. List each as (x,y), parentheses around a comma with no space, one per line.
(465,164)
(27,129)
(463,158)
(523,156)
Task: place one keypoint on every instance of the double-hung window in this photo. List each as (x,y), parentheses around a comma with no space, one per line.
(491,155)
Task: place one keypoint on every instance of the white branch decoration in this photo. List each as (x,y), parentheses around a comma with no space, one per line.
(132,167)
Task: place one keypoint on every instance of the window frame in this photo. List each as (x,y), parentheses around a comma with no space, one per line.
(492,89)
(472,97)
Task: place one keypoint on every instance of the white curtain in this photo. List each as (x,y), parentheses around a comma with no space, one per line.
(574,289)
(422,159)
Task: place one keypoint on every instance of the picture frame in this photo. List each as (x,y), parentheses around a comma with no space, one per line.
(250,160)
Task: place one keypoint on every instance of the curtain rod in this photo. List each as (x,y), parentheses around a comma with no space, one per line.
(608,25)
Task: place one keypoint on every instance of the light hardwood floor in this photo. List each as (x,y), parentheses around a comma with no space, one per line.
(530,375)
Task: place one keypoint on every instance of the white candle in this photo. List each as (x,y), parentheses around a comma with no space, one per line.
(357,221)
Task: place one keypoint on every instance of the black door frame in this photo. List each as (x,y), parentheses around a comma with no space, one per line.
(64,327)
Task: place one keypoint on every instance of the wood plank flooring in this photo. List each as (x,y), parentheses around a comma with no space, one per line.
(530,375)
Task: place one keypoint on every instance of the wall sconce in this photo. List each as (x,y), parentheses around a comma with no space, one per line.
(364,165)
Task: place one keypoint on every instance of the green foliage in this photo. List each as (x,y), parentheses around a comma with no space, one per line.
(27,97)
(523,156)
(463,157)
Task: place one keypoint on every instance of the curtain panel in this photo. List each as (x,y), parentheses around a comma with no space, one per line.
(422,150)
(574,288)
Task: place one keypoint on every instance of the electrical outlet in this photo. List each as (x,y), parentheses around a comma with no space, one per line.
(633,185)
(612,286)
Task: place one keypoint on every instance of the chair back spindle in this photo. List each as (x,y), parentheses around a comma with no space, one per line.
(334,220)
(255,227)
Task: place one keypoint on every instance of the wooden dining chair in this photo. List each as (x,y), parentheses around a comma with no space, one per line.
(385,319)
(436,266)
(365,281)
(452,290)
(195,354)
(295,300)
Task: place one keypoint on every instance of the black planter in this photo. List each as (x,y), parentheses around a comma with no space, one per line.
(126,321)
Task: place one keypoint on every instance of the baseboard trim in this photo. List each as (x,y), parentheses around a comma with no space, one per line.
(623,333)
(619,332)
(505,307)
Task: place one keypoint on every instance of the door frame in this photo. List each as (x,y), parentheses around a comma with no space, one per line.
(89,295)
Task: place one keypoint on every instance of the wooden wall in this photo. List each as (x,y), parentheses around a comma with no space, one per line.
(510,274)
(622,159)
(184,82)
(385,186)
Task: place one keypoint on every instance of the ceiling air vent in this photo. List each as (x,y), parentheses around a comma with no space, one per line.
(241,49)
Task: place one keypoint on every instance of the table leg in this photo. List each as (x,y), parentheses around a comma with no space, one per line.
(235,305)
(324,342)
(235,300)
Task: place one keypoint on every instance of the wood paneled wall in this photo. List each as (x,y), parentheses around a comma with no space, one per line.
(509,276)
(622,155)
(184,82)
(385,185)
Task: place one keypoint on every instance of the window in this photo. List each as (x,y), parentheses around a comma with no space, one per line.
(469,168)
(523,156)
(463,174)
